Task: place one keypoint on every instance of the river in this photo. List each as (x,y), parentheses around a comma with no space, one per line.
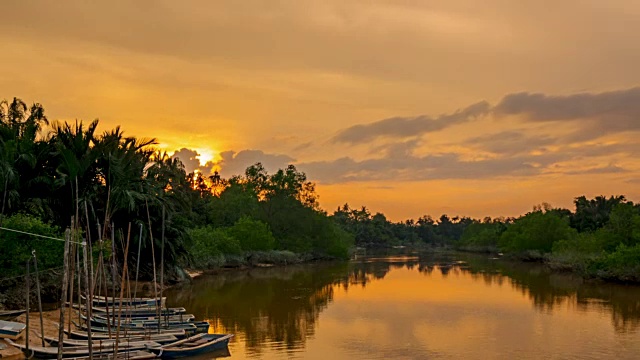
(459,306)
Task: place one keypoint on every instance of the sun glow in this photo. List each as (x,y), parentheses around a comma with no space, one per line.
(205,155)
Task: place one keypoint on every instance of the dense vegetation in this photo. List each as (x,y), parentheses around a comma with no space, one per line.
(50,173)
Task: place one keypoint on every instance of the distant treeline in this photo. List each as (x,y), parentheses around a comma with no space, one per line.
(50,173)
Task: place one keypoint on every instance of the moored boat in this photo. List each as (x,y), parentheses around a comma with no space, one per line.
(158,338)
(11,330)
(154,336)
(10,315)
(194,345)
(43,352)
(133,302)
(124,355)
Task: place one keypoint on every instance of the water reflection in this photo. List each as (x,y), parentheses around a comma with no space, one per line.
(279,308)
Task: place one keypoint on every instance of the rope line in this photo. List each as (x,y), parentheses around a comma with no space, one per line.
(40,236)
(21,276)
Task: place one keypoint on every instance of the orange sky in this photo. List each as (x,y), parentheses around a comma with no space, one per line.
(410,108)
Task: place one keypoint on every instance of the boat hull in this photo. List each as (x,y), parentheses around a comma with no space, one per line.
(216,342)
(11,330)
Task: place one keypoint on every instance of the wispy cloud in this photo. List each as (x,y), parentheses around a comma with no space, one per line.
(403,127)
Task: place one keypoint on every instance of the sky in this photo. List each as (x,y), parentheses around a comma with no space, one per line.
(471,108)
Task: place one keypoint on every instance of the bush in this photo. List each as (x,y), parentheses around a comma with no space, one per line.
(209,245)
(253,235)
(481,235)
(535,231)
(621,265)
(16,247)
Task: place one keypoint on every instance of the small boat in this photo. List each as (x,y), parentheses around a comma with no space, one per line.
(10,315)
(180,333)
(11,330)
(133,312)
(125,319)
(43,352)
(124,355)
(159,338)
(133,302)
(195,345)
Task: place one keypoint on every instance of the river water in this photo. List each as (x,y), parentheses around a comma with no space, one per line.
(411,306)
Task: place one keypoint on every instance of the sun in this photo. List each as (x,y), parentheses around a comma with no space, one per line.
(205,155)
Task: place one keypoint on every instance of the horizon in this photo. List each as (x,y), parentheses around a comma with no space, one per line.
(462,108)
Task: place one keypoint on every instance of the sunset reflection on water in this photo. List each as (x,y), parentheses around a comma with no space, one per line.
(411,307)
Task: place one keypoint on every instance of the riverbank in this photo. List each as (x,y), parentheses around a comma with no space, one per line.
(621,266)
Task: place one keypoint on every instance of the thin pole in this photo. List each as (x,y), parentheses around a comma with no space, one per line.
(161,270)
(63,296)
(88,295)
(28,296)
(135,289)
(71,277)
(113,263)
(79,288)
(35,266)
(124,273)
(106,293)
(153,253)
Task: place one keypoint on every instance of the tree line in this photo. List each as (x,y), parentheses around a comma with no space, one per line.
(51,172)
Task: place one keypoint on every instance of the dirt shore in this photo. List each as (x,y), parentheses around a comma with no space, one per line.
(50,321)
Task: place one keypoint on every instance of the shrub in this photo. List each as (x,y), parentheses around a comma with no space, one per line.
(535,231)
(16,247)
(253,235)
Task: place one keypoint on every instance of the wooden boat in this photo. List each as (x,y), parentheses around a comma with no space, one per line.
(124,319)
(159,338)
(43,352)
(194,345)
(133,312)
(122,355)
(10,315)
(96,330)
(133,302)
(11,330)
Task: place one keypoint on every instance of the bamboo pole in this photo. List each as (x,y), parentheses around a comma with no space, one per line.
(79,287)
(28,293)
(161,270)
(106,294)
(71,278)
(87,295)
(153,253)
(124,273)
(35,267)
(63,296)
(113,261)
(135,289)
(88,227)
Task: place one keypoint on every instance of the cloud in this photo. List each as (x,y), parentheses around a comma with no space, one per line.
(403,127)
(621,104)
(429,167)
(596,114)
(510,142)
(235,163)
(609,169)
(189,159)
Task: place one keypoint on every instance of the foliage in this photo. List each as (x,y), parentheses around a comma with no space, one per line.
(536,230)
(621,265)
(482,235)
(209,245)
(253,235)
(17,247)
